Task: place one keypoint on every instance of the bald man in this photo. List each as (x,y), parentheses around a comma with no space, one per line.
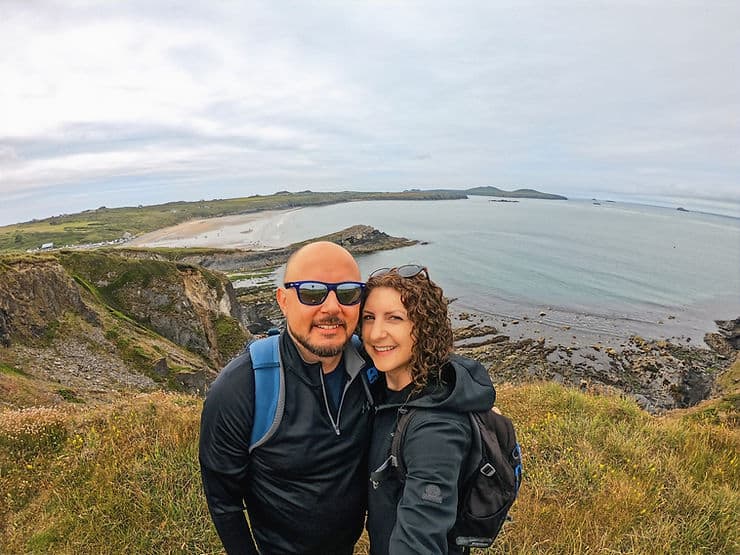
(304,488)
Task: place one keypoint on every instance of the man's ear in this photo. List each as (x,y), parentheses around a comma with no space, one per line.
(282,299)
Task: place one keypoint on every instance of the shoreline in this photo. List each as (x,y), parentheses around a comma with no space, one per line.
(659,359)
(563,327)
(240,231)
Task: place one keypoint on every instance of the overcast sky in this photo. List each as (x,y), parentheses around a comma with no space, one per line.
(141,102)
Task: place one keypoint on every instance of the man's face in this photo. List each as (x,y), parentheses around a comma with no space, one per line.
(320,331)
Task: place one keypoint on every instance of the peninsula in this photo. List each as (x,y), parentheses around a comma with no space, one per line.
(110,226)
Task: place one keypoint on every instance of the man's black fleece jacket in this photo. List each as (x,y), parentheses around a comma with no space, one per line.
(305,488)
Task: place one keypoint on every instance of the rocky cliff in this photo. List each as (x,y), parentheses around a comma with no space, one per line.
(190,306)
(35,292)
(94,321)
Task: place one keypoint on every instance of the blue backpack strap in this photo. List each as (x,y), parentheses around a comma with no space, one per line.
(269,389)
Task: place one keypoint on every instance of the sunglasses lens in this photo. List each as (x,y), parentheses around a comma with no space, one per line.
(312,293)
(380,272)
(409,270)
(405,271)
(349,293)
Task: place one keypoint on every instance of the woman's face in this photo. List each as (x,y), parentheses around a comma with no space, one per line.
(386,334)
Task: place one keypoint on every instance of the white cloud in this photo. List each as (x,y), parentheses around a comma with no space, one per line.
(367,95)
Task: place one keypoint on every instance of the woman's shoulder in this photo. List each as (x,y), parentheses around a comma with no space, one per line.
(426,418)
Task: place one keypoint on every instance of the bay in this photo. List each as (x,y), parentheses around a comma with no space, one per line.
(611,269)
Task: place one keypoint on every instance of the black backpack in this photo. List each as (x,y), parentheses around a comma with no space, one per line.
(492,476)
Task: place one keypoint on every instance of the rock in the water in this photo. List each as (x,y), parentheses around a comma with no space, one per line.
(730,330)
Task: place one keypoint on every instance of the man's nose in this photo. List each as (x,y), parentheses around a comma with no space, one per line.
(331,303)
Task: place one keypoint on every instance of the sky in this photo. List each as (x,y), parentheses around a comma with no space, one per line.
(141,102)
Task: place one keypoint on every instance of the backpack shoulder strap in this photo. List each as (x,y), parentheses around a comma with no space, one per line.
(476,447)
(269,389)
(393,465)
(471,460)
(404,417)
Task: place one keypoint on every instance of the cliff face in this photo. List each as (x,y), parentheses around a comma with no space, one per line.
(190,306)
(34,293)
(98,321)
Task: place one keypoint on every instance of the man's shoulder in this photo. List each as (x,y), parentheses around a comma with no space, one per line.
(235,377)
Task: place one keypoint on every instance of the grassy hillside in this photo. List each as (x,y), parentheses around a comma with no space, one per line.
(110,224)
(601,476)
(518,193)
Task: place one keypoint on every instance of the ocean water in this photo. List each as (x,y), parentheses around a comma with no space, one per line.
(612,268)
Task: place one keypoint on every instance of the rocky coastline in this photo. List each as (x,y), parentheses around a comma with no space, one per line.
(659,375)
(89,324)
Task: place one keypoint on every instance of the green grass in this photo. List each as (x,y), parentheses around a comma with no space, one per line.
(601,476)
(69,395)
(125,480)
(9,370)
(230,336)
(252,275)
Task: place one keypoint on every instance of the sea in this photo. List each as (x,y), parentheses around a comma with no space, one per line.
(577,266)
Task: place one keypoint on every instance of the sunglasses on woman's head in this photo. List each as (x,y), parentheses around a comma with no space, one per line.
(313,293)
(405,271)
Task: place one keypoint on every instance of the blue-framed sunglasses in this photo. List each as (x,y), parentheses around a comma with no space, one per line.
(313,293)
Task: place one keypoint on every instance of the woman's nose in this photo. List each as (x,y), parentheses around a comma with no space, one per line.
(377,330)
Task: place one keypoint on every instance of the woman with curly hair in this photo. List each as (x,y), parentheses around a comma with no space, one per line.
(407,332)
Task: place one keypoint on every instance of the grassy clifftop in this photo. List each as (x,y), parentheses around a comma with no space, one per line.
(601,476)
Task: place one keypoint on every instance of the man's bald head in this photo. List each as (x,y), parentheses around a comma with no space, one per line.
(321,257)
(320,331)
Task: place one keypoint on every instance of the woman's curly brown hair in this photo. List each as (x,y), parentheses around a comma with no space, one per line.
(431,328)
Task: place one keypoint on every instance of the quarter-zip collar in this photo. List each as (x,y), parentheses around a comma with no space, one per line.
(307,372)
(312,374)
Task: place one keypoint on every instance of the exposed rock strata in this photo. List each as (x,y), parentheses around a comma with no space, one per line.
(93,322)
(730,330)
(659,375)
(34,293)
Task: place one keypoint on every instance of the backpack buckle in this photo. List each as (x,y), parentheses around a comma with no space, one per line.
(378,475)
(487,470)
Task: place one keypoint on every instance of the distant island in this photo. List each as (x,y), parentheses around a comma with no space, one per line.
(110,226)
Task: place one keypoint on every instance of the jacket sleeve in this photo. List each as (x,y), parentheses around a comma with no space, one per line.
(434,449)
(225,426)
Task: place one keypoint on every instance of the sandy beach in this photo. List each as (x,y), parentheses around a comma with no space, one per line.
(242,231)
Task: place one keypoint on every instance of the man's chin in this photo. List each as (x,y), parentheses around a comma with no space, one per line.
(323,346)
(327,348)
